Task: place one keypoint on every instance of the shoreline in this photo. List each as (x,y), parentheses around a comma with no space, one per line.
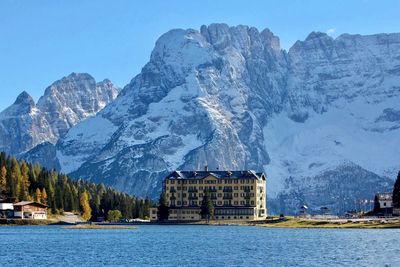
(289,222)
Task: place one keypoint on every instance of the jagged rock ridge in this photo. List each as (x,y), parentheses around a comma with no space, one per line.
(65,103)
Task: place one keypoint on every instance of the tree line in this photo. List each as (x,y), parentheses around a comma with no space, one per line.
(22,181)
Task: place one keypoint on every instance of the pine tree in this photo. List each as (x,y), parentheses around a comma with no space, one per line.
(396,192)
(163,209)
(377,206)
(85,207)
(38,195)
(207,208)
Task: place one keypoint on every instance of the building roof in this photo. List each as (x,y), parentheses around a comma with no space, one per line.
(384,196)
(24,203)
(217,174)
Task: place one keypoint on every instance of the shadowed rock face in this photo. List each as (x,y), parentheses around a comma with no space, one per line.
(231,98)
(65,103)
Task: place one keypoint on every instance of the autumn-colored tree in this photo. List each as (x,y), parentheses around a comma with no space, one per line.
(15,179)
(85,206)
(38,195)
(44,196)
(3,180)
(24,182)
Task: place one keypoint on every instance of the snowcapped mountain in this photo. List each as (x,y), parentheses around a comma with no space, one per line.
(322,120)
(65,103)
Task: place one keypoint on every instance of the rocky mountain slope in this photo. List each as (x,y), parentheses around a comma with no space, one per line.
(322,120)
(65,103)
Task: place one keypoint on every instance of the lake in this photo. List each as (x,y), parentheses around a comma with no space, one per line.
(152,245)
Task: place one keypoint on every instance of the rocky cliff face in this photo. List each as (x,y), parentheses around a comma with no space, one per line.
(323,116)
(65,103)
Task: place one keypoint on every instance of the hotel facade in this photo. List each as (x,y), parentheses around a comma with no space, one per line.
(236,195)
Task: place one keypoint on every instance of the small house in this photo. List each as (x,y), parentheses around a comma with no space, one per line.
(303,211)
(30,210)
(384,204)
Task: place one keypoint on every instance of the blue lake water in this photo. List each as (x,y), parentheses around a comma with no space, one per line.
(198,246)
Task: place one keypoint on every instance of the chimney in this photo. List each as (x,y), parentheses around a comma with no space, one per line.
(206,168)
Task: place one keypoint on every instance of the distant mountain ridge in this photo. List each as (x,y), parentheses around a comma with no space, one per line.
(322,117)
(65,103)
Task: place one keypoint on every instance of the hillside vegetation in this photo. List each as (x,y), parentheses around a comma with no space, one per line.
(22,181)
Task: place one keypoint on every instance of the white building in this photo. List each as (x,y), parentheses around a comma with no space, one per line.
(6,210)
(6,206)
(385,200)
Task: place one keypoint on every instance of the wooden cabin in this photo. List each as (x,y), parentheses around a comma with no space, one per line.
(30,210)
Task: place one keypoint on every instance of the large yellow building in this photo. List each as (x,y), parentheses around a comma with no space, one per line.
(236,195)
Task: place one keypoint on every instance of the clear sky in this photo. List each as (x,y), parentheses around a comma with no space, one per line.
(44,40)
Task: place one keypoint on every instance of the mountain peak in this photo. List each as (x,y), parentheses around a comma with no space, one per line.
(25,99)
(77,75)
(317,35)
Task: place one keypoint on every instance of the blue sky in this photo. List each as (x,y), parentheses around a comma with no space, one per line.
(44,40)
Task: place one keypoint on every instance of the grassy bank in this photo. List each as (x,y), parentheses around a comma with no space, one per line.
(305,223)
